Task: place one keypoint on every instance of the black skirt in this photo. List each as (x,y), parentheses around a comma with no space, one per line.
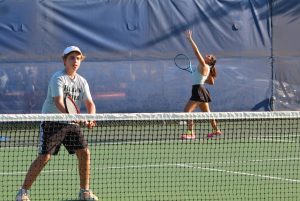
(200,94)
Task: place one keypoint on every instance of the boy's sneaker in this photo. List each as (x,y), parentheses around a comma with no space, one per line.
(189,135)
(22,195)
(87,195)
(215,134)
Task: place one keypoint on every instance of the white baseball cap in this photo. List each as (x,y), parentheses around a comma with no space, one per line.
(71,49)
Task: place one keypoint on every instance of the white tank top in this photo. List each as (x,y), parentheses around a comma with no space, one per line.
(198,78)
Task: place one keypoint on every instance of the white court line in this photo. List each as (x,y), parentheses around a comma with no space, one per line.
(214,163)
(129,142)
(189,165)
(104,168)
(273,140)
(247,161)
(23,173)
(240,173)
(164,141)
(164,165)
(20,147)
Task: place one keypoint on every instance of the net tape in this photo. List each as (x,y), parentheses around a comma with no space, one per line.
(151,116)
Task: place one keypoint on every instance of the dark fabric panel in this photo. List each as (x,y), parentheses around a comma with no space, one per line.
(286,52)
(286,23)
(140,29)
(287,83)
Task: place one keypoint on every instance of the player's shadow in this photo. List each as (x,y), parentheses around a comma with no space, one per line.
(71,200)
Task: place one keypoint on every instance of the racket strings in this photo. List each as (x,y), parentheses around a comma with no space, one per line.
(182,61)
(71,106)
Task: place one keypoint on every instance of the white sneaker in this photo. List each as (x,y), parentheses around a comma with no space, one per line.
(87,195)
(22,195)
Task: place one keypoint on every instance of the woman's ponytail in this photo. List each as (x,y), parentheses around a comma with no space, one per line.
(213,70)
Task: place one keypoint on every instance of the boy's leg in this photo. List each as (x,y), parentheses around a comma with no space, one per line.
(84,159)
(36,167)
(83,156)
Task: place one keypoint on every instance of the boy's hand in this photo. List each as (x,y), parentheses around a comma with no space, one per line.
(90,124)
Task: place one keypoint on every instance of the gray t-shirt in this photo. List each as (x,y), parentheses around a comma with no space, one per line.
(61,85)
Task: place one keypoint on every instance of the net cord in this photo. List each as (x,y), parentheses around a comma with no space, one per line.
(150,116)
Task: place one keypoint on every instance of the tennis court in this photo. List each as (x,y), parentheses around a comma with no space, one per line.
(145,160)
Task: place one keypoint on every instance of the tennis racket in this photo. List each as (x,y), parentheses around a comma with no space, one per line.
(70,105)
(71,108)
(183,62)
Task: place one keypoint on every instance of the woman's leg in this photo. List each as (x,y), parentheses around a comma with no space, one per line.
(204,107)
(190,107)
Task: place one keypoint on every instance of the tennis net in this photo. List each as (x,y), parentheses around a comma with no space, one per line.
(141,157)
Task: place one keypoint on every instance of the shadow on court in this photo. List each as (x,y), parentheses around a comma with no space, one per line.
(74,199)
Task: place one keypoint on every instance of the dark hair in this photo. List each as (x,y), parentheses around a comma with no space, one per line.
(213,70)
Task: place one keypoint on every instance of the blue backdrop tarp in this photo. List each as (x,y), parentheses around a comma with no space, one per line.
(130,46)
